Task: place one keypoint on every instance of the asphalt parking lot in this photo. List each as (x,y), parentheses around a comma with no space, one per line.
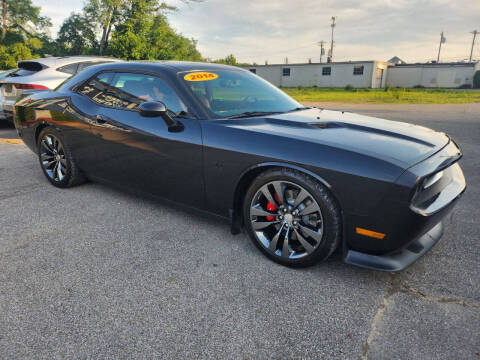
(91,272)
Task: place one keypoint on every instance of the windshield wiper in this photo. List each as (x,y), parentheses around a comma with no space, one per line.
(252,113)
(184,115)
(299,108)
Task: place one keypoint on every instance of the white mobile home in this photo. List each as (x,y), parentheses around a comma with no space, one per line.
(359,74)
(445,75)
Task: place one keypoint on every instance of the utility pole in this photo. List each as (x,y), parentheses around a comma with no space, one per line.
(331,44)
(322,50)
(442,41)
(474,32)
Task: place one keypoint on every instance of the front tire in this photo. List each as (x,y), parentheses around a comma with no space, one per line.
(292,218)
(56,160)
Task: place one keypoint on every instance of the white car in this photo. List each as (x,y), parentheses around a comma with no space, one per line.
(41,74)
(3,74)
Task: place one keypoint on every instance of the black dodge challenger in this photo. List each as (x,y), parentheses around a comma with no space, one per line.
(302,181)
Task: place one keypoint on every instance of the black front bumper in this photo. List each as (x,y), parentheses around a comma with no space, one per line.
(399,260)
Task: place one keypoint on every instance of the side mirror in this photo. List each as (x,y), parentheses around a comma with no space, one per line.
(152,109)
(158,109)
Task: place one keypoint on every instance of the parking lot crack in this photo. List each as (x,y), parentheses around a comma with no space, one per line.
(449,300)
(395,286)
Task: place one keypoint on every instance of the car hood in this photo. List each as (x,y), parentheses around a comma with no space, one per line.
(401,143)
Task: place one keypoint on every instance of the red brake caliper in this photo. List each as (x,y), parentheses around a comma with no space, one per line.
(272,207)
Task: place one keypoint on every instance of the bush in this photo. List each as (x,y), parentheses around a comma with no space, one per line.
(476,80)
(388,87)
(349,87)
(419,87)
(9,55)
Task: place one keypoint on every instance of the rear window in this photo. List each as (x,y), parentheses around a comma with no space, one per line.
(21,72)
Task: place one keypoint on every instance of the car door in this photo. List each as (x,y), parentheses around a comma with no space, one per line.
(139,152)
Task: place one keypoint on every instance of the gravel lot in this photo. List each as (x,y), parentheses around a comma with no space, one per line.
(92,272)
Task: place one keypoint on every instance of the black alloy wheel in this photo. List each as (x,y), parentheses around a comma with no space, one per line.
(56,160)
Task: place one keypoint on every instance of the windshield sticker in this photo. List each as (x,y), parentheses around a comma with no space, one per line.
(200,76)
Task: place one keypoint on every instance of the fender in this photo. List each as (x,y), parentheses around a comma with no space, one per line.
(287,165)
(236,212)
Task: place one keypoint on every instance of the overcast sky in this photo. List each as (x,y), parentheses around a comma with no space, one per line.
(259,30)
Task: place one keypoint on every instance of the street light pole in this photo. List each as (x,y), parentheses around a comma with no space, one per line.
(331,44)
(474,32)
(322,50)
(442,40)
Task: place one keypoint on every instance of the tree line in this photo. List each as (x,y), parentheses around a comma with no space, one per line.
(125,29)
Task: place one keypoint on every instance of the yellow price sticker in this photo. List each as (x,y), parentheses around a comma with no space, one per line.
(200,76)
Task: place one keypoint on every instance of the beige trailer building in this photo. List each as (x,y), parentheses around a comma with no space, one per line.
(373,74)
(359,74)
(444,75)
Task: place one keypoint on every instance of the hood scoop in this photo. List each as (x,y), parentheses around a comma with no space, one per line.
(326,125)
(261,122)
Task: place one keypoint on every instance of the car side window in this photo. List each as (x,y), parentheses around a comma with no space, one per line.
(86,64)
(128,90)
(68,69)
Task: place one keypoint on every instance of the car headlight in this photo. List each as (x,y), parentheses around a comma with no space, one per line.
(432,179)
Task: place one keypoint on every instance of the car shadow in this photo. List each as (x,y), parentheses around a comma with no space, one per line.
(7,130)
(333,266)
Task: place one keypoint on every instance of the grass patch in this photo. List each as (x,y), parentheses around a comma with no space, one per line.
(384,96)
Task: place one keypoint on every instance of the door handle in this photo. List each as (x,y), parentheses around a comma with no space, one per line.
(100,119)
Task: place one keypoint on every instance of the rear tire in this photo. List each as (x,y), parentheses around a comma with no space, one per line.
(292,218)
(56,160)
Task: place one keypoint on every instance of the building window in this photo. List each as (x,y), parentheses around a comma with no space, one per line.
(253,71)
(358,70)
(286,71)
(326,71)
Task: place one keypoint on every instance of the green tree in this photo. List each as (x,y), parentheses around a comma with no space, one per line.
(164,43)
(229,60)
(105,15)
(144,33)
(9,55)
(22,16)
(476,80)
(76,36)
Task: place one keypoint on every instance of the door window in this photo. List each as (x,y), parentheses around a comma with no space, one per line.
(128,90)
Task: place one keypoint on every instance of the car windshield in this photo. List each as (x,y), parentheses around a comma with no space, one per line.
(235,93)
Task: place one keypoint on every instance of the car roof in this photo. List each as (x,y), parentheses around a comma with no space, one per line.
(65,60)
(167,65)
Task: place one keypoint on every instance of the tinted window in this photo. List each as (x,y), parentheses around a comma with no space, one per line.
(68,69)
(128,90)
